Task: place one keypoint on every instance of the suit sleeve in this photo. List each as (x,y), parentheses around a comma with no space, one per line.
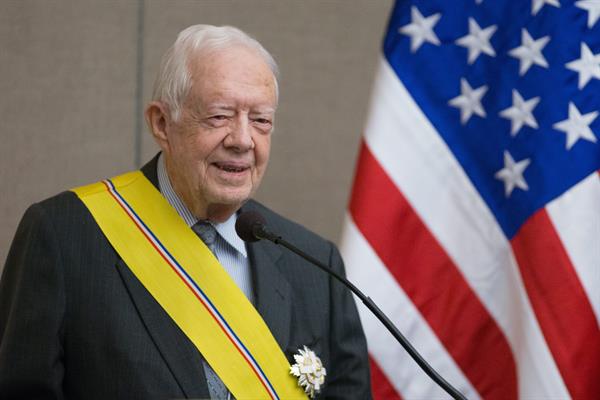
(349,376)
(32,307)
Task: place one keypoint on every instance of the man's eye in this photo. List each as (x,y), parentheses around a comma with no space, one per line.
(263,121)
(219,117)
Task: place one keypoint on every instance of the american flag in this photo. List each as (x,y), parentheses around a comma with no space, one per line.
(474,219)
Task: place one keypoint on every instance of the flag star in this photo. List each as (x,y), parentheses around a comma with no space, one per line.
(469,101)
(521,113)
(478,40)
(420,29)
(536,5)
(530,52)
(593,9)
(512,174)
(577,126)
(588,66)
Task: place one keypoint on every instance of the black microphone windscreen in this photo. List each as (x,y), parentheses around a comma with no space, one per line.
(244,226)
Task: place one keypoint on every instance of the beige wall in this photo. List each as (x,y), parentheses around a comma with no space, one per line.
(75,74)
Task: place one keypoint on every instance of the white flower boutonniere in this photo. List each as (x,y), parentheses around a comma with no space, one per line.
(309,370)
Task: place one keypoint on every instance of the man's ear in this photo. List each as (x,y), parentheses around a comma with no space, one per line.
(157,117)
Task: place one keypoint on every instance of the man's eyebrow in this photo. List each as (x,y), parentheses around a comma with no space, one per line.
(229,107)
(219,106)
(265,110)
(264,107)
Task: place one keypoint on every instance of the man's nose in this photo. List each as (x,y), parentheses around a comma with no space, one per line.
(240,136)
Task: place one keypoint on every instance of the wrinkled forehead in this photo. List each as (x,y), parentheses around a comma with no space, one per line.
(232,66)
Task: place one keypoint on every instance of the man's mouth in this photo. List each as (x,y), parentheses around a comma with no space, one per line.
(231,167)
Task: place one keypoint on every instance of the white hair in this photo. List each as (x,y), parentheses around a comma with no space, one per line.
(174,81)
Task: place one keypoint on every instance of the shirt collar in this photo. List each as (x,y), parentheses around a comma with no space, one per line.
(226,229)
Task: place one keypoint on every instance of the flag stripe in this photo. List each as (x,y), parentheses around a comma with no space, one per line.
(369,272)
(416,260)
(383,390)
(576,216)
(425,171)
(560,303)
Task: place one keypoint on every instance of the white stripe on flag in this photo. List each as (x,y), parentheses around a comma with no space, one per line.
(425,171)
(368,272)
(576,217)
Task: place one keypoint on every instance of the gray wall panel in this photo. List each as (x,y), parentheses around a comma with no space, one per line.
(67,73)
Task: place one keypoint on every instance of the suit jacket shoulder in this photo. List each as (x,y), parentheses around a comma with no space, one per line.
(75,322)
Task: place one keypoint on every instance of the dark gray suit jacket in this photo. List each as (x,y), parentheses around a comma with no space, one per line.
(76,323)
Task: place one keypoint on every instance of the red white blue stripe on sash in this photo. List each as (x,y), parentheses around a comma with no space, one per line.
(193,286)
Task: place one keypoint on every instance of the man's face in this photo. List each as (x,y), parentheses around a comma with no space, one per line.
(217,153)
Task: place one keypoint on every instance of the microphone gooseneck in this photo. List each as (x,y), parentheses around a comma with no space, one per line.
(250,227)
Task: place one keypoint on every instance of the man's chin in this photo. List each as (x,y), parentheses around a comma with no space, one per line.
(233,197)
(229,201)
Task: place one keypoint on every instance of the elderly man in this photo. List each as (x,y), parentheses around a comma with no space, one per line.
(138,287)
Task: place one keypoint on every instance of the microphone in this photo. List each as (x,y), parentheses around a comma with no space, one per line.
(250,227)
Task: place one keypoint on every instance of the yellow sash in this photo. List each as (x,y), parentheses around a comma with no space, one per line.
(187,280)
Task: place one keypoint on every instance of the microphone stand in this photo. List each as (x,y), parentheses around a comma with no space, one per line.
(260,232)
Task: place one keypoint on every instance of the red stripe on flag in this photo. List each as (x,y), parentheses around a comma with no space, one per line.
(382,389)
(560,304)
(432,281)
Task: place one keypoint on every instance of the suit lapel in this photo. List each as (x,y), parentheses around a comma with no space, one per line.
(272,291)
(179,353)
